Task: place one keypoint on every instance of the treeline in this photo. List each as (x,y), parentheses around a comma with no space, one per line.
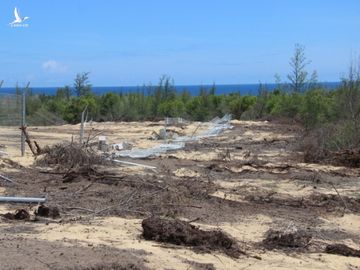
(147,103)
(314,106)
(332,115)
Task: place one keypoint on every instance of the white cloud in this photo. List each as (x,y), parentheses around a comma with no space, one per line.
(53,66)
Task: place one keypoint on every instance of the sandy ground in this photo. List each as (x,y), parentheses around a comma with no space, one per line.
(136,133)
(247,202)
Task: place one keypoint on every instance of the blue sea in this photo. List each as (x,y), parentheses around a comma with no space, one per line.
(243,89)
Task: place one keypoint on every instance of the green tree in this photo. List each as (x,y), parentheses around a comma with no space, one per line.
(81,84)
(288,105)
(166,88)
(298,76)
(75,107)
(110,104)
(63,93)
(238,104)
(172,108)
(316,108)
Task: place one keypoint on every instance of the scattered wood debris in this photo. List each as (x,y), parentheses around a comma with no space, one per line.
(92,174)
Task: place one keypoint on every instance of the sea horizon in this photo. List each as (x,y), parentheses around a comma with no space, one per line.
(243,89)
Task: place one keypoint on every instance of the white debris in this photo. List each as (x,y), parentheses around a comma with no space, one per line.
(122,146)
(154,151)
(217,126)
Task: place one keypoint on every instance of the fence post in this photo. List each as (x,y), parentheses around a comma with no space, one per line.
(166,120)
(82,125)
(23,119)
(23,100)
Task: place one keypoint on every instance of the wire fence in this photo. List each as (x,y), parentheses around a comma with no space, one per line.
(43,117)
(13,116)
(10,121)
(10,109)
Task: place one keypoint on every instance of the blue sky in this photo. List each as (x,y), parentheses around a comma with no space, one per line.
(131,42)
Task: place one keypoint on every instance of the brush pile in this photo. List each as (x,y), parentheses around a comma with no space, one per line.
(68,155)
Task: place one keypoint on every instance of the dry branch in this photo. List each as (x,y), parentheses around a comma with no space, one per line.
(341,198)
(6,179)
(28,141)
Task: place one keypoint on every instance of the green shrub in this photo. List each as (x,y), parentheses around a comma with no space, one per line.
(316,108)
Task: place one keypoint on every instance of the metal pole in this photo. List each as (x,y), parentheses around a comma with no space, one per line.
(165,134)
(82,124)
(23,123)
(22,200)
(134,164)
(82,127)
(23,119)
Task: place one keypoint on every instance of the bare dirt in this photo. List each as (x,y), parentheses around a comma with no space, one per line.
(246,183)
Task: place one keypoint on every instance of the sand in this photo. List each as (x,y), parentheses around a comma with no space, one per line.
(275,144)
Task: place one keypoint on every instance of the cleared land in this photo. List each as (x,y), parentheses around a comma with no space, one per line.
(245,182)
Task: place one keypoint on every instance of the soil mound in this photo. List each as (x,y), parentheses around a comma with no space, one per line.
(333,201)
(180,232)
(284,239)
(341,249)
(45,211)
(20,214)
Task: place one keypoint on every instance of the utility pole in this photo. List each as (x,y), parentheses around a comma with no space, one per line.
(23,118)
